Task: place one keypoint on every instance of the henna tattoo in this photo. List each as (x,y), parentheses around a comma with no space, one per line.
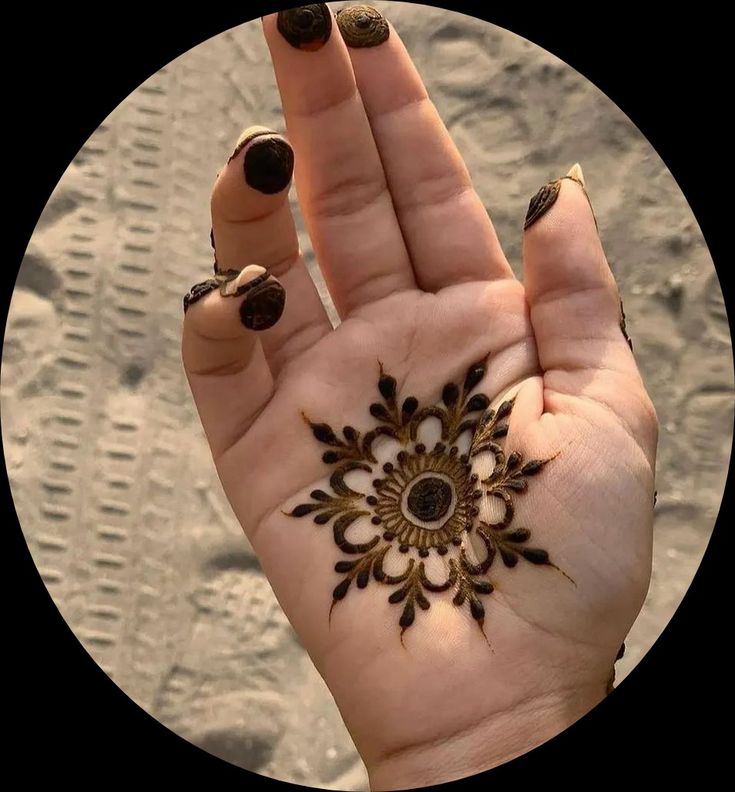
(541,202)
(268,161)
(546,197)
(262,307)
(215,265)
(307,27)
(268,165)
(426,499)
(362,26)
(623,327)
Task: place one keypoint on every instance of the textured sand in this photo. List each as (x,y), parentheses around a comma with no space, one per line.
(109,469)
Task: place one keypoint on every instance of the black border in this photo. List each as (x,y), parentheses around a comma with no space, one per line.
(69,70)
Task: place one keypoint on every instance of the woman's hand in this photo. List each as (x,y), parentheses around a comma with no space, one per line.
(451,493)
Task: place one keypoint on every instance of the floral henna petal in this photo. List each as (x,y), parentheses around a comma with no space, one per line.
(473,377)
(337,479)
(325,434)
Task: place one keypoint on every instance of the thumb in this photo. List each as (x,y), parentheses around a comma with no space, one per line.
(575,310)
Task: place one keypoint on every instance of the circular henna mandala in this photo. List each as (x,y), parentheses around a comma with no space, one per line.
(425,500)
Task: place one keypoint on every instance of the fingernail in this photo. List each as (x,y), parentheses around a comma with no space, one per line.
(362,26)
(306,27)
(246,279)
(575,173)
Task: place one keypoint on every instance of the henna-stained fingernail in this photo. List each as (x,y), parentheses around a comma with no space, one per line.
(307,27)
(268,164)
(362,26)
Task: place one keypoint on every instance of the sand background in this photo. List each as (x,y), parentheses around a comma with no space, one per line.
(109,469)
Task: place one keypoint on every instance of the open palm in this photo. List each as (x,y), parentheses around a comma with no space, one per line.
(451,493)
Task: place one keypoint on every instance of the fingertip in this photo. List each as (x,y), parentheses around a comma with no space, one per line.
(256,177)
(562,250)
(214,315)
(307,27)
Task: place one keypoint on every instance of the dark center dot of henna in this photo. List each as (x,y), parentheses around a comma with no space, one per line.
(429,499)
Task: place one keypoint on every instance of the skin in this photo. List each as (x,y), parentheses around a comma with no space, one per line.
(418,277)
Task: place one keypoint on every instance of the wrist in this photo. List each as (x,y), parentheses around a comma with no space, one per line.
(495,740)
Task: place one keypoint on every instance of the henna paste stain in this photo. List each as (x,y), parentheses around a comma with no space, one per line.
(423,501)
(546,197)
(306,27)
(268,165)
(199,290)
(541,202)
(362,26)
(215,265)
(262,307)
(623,327)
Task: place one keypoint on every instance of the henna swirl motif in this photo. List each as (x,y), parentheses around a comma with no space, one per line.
(425,500)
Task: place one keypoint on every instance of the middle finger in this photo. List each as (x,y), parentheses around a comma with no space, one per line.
(339,175)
